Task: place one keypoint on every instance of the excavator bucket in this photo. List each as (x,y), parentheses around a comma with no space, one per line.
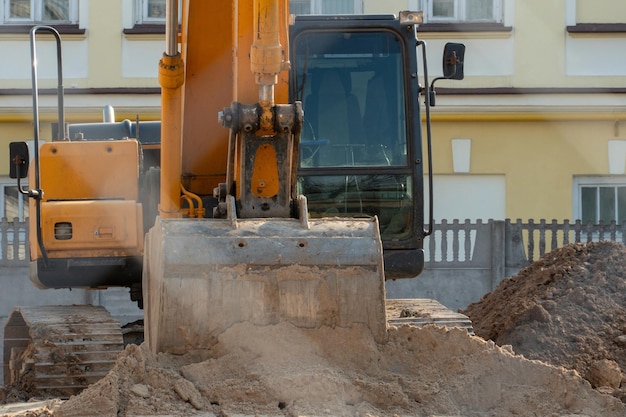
(203,276)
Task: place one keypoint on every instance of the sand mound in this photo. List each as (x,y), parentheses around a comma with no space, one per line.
(282,370)
(567,309)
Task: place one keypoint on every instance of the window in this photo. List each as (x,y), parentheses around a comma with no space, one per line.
(468,11)
(40,11)
(325,6)
(598,11)
(352,88)
(153,11)
(606,203)
(13,207)
(13,204)
(600,199)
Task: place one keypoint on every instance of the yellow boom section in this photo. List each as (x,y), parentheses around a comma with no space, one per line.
(210,69)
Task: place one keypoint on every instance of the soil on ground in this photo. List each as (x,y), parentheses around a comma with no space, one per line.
(281,370)
(567,309)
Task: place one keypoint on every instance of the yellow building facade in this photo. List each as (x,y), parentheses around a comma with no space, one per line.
(536,130)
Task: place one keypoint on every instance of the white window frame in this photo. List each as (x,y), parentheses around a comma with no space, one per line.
(14,237)
(599,181)
(316,6)
(141,13)
(460,13)
(37,13)
(22,203)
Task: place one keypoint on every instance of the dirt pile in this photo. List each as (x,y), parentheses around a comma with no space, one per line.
(30,409)
(567,309)
(283,370)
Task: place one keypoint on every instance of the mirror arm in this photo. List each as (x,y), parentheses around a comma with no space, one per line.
(20,189)
(453,60)
(432,87)
(20,162)
(36,194)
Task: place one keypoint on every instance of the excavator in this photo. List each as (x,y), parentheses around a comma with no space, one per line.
(284,183)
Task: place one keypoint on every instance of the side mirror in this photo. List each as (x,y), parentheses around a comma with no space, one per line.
(18,152)
(453,55)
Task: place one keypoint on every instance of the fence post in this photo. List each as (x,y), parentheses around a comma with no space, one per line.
(4,239)
(514,241)
(498,250)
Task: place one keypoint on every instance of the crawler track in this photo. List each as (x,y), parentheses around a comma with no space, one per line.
(60,350)
(422,311)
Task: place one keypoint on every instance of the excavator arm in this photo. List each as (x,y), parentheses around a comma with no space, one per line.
(193,149)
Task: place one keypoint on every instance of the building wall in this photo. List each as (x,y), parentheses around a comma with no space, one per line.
(538,158)
(102,66)
(599,11)
(539,103)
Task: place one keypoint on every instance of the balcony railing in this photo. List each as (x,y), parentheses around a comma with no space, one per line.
(453,243)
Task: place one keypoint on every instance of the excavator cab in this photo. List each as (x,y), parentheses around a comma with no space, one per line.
(361,145)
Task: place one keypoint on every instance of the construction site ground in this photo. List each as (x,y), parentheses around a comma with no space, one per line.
(549,341)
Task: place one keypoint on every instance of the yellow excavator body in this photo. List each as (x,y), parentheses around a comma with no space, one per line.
(201,215)
(89,210)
